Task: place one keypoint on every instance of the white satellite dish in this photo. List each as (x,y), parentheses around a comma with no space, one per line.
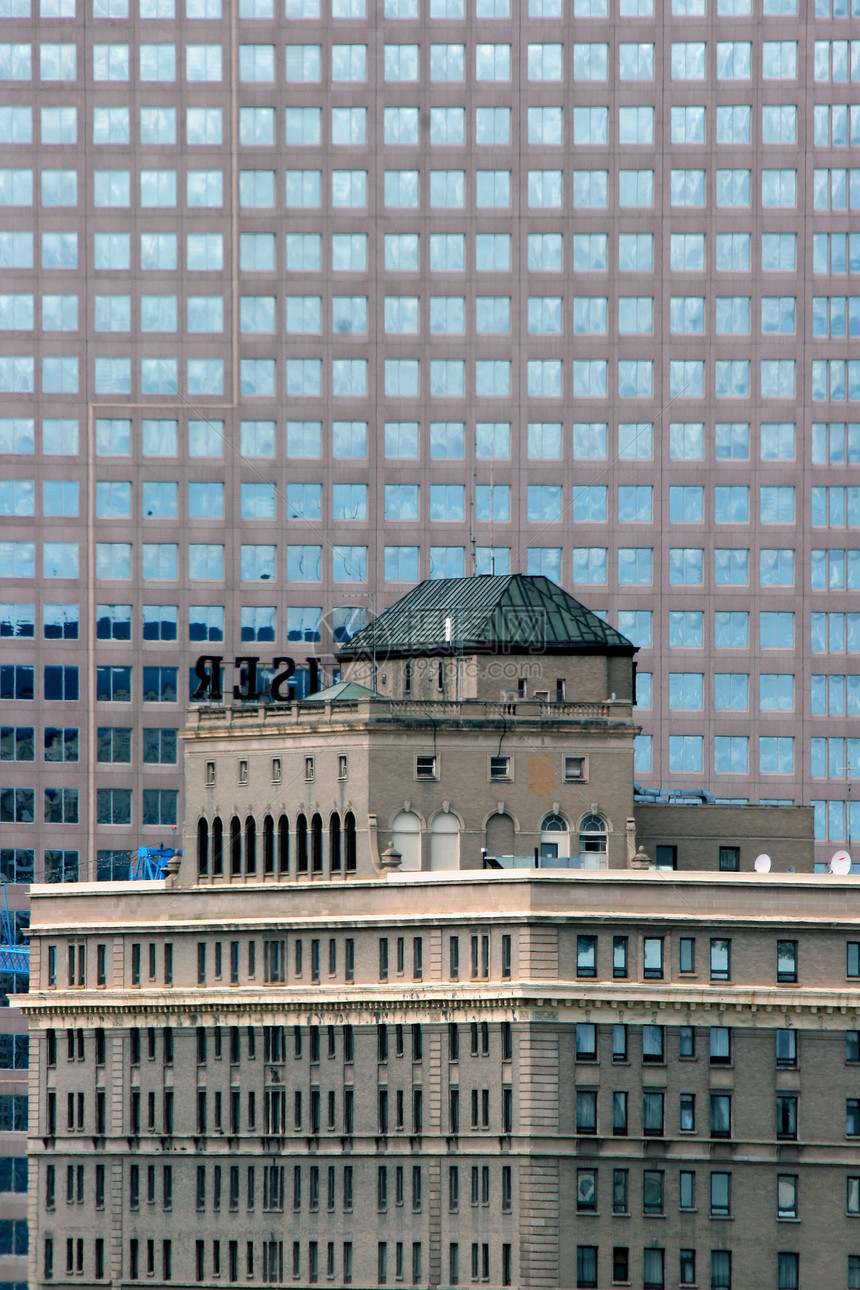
(840,862)
(762,863)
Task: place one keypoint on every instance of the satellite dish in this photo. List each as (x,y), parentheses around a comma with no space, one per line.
(762,863)
(840,862)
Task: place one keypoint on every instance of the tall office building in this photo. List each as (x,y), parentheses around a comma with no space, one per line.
(304,300)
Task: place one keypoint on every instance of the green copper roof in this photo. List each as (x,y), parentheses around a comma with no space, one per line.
(521,613)
(344,691)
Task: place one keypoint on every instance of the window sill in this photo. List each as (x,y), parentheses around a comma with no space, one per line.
(788,1218)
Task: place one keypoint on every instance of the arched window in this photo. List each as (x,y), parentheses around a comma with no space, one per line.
(268,845)
(444,841)
(250,845)
(406,836)
(592,839)
(283,845)
(554,837)
(217,847)
(334,842)
(235,846)
(350,842)
(202,848)
(301,844)
(500,835)
(316,844)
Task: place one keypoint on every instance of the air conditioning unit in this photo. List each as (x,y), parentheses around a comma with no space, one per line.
(542,694)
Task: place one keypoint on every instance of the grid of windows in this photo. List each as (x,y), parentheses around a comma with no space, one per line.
(558,311)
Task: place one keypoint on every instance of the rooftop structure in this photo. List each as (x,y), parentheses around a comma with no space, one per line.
(349,1035)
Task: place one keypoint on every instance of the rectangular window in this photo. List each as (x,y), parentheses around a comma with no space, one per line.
(721,1115)
(653,1050)
(586,956)
(619,1043)
(586,1111)
(720,959)
(786,1047)
(652,1114)
(687,954)
(786,961)
(586,1041)
(786,1117)
(652,958)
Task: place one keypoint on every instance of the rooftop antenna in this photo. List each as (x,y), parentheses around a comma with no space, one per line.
(457,653)
(840,862)
(762,863)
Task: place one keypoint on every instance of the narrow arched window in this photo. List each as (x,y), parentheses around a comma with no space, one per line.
(250,845)
(268,845)
(316,844)
(283,845)
(350,850)
(334,842)
(217,847)
(301,844)
(235,845)
(202,848)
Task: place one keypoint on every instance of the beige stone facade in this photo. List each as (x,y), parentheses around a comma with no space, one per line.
(416,1007)
(551,1074)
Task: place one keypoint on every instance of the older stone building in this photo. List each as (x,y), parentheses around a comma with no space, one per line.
(329,1046)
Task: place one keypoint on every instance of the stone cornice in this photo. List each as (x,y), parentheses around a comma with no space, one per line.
(333,1146)
(526,1002)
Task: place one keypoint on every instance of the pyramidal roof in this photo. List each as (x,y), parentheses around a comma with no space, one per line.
(343,692)
(521,613)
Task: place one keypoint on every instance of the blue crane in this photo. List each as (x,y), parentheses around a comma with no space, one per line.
(14,957)
(151,863)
